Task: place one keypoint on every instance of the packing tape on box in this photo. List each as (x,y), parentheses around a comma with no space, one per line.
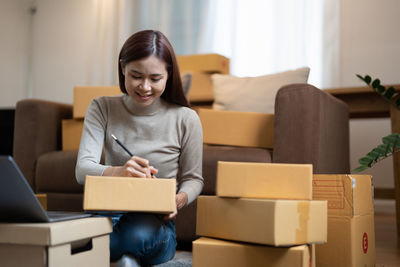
(303,210)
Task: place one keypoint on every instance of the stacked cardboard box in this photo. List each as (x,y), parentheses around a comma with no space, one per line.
(265,211)
(351,234)
(236,128)
(201,67)
(71,130)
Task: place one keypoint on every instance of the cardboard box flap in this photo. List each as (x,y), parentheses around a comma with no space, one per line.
(347,195)
(50,234)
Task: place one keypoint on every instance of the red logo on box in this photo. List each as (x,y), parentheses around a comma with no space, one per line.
(365,243)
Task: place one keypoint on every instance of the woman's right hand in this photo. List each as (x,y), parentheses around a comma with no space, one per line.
(134,167)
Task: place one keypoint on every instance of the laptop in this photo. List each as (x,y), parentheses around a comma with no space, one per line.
(18,203)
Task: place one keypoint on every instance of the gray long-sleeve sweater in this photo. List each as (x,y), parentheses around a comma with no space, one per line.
(168,135)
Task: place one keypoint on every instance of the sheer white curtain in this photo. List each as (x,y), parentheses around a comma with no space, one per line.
(267,36)
(259,36)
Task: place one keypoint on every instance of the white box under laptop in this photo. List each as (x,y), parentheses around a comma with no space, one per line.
(79,242)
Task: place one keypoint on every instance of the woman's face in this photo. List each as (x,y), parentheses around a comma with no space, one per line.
(145,79)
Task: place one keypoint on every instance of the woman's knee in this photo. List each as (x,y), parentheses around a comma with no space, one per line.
(138,231)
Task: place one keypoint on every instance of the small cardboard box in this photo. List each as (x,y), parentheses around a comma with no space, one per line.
(80,242)
(201,88)
(210,63)
(213,252)
(262,221)
(236,128)
(71,134)
(129,194)
(83,95)
(264,180)
(351,232)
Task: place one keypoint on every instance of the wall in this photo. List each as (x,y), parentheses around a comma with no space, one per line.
(14,28)
(61,35)
(370,44)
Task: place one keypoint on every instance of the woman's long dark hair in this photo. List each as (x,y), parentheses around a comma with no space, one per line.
(144,44)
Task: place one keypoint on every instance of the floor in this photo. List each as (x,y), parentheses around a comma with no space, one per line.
(386,241)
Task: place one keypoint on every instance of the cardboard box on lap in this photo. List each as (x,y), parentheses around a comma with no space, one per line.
(351,233)
(213,252)
(236,128)
(264,180)
(80,242)
(83,95)
(262,221)
(129,194)
(71,134)
(211,63)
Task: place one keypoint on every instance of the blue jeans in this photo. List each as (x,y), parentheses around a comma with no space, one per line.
(144,235)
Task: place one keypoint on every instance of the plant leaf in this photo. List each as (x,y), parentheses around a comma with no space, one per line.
(376,83)
(359,169)
(365,161)
(389,93)
(367,79)
(381,89)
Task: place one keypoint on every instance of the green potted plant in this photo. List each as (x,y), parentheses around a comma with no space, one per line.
(391,143)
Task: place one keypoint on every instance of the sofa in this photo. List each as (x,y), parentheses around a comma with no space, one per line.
(311,127)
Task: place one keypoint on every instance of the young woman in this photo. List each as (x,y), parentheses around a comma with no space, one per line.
(154,122)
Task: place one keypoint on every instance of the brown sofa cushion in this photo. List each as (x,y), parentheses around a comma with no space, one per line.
(55,172)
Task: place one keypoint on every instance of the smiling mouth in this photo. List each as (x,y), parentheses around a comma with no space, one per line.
(143,96)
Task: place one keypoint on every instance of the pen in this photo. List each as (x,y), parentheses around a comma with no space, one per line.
(124,147)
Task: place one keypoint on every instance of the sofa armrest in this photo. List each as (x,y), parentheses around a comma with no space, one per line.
(37,130)
(311,126)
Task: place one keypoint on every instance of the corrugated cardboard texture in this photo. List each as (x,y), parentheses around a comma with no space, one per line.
(83,95)
(212,252)
(235,128)
(201,88)
(351,232)
(264,180)
(211,63)
(130,194)
(347,195)
(51,234)
(71,134)
(262,221)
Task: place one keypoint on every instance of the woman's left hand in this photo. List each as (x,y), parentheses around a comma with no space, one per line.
(181,200)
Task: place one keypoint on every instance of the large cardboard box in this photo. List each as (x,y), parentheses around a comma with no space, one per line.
(129,194)
(351,234)
(71,132)
(80,242)
(210,63)
(264,180)
(83,95)
(209,252)
(236,128)
(201,88)
(262,221)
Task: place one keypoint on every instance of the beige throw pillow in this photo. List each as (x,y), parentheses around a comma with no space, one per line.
(253,94)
